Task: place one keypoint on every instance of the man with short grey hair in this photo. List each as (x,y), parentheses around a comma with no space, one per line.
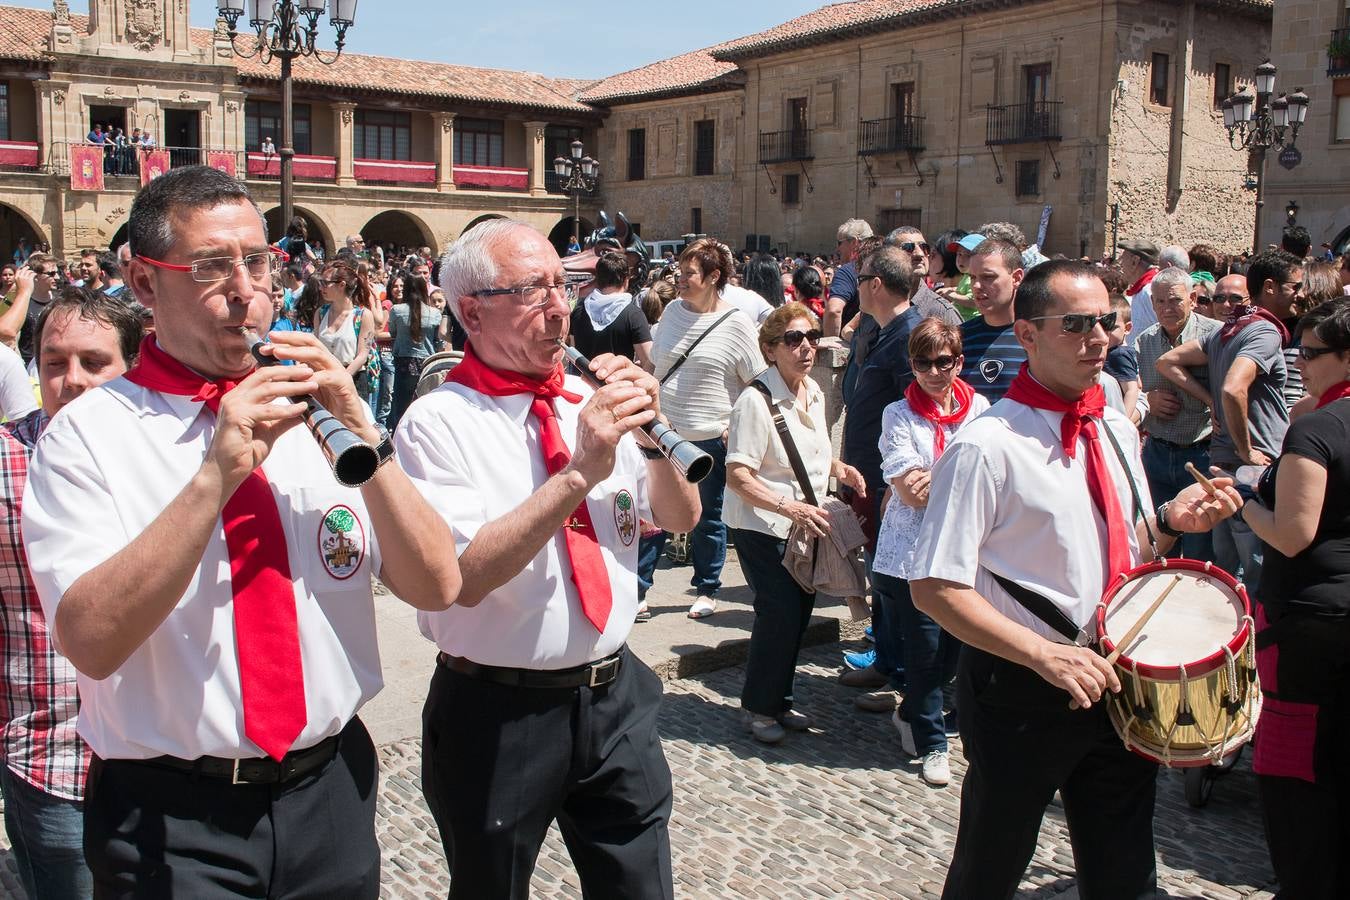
(926,300)
(842,304)
(1174,256)
(357,245)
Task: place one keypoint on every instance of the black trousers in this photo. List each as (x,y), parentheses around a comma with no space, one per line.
(782,612)
(500,763)
(1022,743)
(157,833)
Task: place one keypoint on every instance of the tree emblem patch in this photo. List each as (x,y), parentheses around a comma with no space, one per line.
(342,542)
(625,517)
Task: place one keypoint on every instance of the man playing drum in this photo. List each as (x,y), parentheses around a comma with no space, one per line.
(1016,499)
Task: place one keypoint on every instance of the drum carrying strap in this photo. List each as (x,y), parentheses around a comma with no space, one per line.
(1042,608)
(1139,512)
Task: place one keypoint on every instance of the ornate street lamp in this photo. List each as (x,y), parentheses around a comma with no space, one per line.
(1258,123)
(287,30)
(582,174)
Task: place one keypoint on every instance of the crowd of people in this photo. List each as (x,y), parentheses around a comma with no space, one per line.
(1016,437)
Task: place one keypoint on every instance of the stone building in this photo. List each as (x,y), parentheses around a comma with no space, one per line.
(403,152)
(1087,116)
(1311,50)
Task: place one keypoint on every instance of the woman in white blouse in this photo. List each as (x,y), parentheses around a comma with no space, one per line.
(765,501)
(914,432)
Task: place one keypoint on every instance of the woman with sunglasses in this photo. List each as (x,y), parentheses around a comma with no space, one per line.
(765,501)
(1301,510)
(346,320)
(914,432)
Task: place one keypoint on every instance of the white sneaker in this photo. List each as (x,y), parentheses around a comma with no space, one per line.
(937,769)
(907,745)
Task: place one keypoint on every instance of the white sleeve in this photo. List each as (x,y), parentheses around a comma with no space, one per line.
(898,452)
(962,505)
(440,472)
(16,389)
(750,431)
(750,359)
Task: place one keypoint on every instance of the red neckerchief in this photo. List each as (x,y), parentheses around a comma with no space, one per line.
(1080,416)
(926,406)
(266,628)
(1337,391)
(1143,282)
(589,573)
(1245,315)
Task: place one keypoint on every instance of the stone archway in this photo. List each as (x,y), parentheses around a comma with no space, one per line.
(563,231)
(14,226)
(120,237)
(394,229)
(320,235)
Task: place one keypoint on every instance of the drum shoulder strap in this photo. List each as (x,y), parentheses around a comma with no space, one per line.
(1140,514)
(1041,607)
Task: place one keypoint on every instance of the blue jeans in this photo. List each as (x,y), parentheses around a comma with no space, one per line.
(886,626)
(708,540)
(47,834)
(1239,552)
(385,401)
(649,554)
(782,612)
(406,371)
(1165,469)
(930,660)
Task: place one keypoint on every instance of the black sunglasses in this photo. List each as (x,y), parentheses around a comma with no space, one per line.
(1081,323)
(942,363)
(908,246)
(1234,299)
(1308,354)
(793,339)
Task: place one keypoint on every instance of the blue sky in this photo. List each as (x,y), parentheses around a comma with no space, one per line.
(536,36)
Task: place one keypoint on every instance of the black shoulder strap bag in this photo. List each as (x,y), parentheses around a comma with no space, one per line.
(684,357)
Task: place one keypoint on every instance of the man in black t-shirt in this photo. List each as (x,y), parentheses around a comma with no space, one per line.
(607,320)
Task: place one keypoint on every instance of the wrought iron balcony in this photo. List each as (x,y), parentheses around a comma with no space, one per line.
(785,146)
(1338,53)
(899,134)
(1022,123)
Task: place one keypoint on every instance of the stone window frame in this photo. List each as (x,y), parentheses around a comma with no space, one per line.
(1018,194)
(1165,45)
(1169,89)
(694,157)
(792,198)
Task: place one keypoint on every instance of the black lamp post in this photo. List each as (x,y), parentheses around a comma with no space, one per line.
(286,30)
(582,174)
(1258,123)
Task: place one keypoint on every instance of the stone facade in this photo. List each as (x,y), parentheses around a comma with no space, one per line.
(1321,183)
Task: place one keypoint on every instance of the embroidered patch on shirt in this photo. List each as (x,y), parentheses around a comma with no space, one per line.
(991,369)
(342,542)
(625,517)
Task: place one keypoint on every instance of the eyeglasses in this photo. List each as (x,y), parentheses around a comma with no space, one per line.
(331,281)
(1081,323)
(942,363)
(1308,354)
(217,268)
(535,295)
(793,339)
(1296,285)
(867,276)
(910,246)
(1235,299)
(48,273)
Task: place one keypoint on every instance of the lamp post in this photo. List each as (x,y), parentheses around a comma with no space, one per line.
(287,30)
(1258,123)
(582,174)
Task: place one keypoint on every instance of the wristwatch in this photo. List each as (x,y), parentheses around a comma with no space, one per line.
(385,448)
(1160,519)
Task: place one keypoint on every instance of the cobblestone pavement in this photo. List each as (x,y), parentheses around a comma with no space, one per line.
(830,813)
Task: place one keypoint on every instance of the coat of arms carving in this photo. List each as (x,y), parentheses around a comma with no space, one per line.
(144,24)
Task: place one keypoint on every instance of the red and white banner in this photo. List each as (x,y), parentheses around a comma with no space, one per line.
(86,167)
(389,170)
(223,160)
(268,165)
(492,177)
(18,153)
(154,163)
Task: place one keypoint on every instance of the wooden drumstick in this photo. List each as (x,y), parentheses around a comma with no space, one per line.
(1201,479)
(1143,620)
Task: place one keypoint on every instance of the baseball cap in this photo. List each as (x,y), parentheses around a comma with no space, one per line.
(967,243)
(1145,249)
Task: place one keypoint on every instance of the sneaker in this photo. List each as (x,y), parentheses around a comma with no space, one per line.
(868,636)
(764,729)
(793,720)
(860,660)
(882,701)
(937,769)
(644,614)
(907,745)
(863,678)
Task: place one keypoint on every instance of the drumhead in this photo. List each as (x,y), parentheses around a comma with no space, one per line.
(1200,616)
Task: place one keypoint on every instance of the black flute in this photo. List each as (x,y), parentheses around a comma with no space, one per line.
(688,459)
(353,460)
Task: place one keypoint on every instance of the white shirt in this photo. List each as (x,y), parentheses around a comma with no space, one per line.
(476,458)
(1141,314)
(698,396)
(16,388)
(753,441)
(907,443)
(106,467)
(748,302)
(1006,498)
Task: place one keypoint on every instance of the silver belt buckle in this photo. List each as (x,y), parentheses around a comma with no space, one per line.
(234,773)
(601,669)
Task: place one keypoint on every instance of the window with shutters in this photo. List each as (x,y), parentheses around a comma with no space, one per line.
(480,142)
(382,134)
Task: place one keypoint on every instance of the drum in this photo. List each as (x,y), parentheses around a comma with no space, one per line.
(435,369)
(1189,691)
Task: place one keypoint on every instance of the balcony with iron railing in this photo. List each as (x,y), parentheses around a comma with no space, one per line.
(898,134)
(785,146)
(1338,53)
(1022,123)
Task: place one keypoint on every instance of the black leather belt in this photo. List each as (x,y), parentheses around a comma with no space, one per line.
(251,771)
(593,675)
(1173,445)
